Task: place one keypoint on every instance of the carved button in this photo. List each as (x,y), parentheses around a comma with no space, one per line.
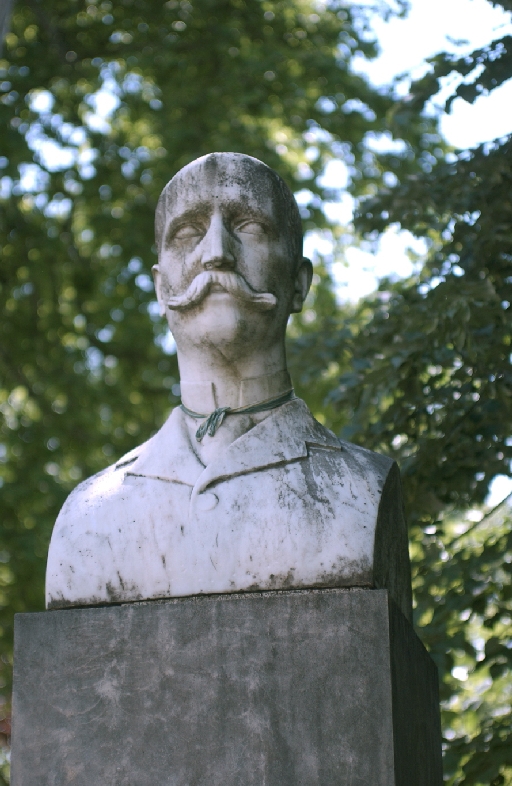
(207,501)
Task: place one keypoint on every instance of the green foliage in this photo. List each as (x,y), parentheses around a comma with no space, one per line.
(465,567)
(318,347)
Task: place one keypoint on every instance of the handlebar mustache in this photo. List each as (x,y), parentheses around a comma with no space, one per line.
(231,282)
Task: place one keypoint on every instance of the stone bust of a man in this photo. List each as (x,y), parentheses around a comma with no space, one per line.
(242,489)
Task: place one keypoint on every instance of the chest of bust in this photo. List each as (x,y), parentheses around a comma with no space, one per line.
(285,505)
(303,523)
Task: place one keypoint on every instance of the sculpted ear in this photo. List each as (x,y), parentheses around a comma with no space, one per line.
(157,278)
(302,284)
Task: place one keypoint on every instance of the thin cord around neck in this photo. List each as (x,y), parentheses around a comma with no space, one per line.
(214,420)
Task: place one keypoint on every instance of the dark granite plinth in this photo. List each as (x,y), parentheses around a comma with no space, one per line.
(303,688)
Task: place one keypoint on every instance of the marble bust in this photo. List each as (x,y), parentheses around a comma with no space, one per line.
(241,490)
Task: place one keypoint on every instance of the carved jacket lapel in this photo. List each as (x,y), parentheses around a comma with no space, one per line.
(282,437)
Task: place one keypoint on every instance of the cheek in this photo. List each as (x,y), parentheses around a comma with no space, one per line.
(265,265)
(165,289)
(172,267)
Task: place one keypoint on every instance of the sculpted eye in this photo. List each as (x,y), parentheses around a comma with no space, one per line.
(186,231)
(251,228)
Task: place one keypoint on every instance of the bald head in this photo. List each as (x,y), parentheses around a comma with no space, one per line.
(243,174)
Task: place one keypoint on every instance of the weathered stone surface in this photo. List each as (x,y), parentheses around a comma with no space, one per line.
(286,505)
(269,499)
(301,688)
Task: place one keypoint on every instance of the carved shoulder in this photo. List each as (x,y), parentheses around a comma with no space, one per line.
(391,564)
(392,568)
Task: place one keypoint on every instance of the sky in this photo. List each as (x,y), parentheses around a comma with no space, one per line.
(429,28)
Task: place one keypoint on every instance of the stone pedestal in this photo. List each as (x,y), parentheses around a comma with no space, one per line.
(302,688)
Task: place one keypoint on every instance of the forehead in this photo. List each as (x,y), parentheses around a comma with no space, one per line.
(231,185)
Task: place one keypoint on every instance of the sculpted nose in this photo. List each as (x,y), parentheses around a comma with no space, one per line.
(216,246)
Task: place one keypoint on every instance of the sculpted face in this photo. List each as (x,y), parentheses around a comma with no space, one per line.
(229,270)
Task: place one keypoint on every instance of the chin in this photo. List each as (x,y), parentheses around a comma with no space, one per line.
(221,321)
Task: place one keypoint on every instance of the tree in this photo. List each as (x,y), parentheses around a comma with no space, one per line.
(100,105)
(431,380)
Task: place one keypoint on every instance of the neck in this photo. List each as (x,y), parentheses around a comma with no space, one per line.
(211,380)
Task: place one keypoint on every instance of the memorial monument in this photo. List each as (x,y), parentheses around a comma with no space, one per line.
(249,571)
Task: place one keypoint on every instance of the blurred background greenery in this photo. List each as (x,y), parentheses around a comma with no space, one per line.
(100,104)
